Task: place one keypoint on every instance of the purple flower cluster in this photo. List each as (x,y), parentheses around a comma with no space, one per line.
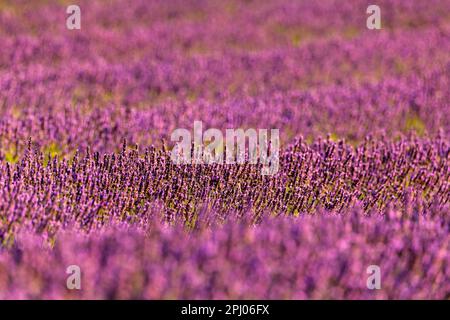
(86,176)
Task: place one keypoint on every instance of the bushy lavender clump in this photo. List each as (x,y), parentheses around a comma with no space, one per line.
(320,256)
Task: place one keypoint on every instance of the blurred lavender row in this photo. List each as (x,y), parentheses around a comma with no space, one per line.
(320,256)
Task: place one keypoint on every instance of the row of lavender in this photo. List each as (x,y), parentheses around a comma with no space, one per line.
(391,106)
(322,256)
(43,194)
(121,31)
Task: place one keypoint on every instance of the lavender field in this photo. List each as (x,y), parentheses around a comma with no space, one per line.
(87,178)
